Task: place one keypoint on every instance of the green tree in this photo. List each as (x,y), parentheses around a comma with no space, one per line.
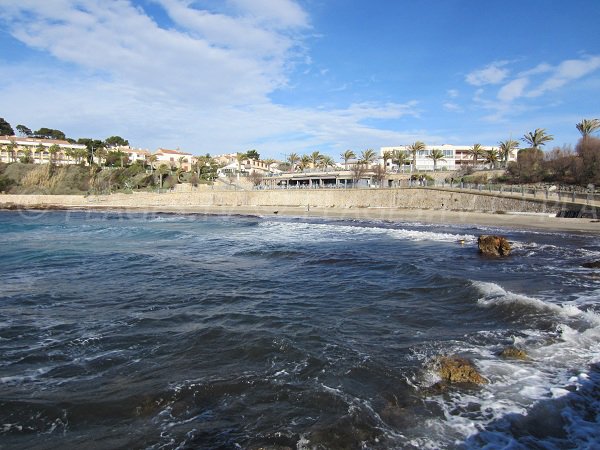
(588,126)
(347,156)
(399,157)
(304,162)
(53,151)
(507,147)
(50,133)
(436,155)
(161,172)
(476,152)
(26,158)
(40,149)
(367,156)
(387,156)
(116,141)
(253,154)
(23,130)
(491,158)
(5,128)
(327,161)
(537,138)
(293,159)
(240,157)
(413,149)
(315,159)
(11,151)
(151,160)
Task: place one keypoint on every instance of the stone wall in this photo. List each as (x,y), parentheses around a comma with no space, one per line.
(417,198)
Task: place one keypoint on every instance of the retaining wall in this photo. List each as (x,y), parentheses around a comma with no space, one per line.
(418,198)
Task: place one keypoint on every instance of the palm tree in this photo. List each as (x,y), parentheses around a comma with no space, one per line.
(588,126)
(27,156)
(101,153)
(506,149)
(162,170)
(537,138)
(476,151)
(413,149)
(491,158)
(151,160)
(387,156)
(436,155)
(293,159)
(327,161)
(239,158)
(304,162)
(181,160)
(367,156)
(399,157)
(53,150)
(347,156)
(40,149)
(10,148)
(315,158)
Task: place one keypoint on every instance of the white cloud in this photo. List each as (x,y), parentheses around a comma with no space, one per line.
(453,107)
(494,73)
(566,72)
(513,89)
(452,93)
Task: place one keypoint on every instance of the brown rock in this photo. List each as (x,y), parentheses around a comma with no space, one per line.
(454,369)
(493,245)
(513,353)
(591,265)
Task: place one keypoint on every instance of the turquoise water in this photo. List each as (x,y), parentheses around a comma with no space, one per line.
(123,330)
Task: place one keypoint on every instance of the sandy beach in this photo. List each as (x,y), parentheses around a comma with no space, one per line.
(529,221)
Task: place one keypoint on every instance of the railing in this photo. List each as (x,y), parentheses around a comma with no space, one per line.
(589,197)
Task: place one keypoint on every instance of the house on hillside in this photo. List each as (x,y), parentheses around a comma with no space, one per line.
(174,159)
(40,151)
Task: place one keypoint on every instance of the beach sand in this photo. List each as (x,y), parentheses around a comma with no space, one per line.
(513,220)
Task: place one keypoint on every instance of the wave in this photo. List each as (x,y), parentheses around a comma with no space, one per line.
(549,400)
(336,231)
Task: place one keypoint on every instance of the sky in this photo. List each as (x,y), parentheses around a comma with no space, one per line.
(297,76)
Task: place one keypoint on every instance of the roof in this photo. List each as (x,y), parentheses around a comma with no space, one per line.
(172,152)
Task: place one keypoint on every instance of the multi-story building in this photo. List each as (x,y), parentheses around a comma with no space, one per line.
(37,150)
(455,157)
(173,158)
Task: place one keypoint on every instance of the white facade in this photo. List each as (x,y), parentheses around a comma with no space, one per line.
(12,148)
(455,157)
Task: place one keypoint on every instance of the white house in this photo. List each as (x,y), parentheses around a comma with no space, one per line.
(455,157)
(173,158)
(12,148)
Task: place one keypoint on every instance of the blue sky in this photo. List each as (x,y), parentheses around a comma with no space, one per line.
(284,76)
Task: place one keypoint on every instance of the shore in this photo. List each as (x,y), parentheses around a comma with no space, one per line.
(530,221)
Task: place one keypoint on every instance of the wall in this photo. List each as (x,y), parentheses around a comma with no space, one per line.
(421,198)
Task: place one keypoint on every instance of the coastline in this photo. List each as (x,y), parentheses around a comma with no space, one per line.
(509,220)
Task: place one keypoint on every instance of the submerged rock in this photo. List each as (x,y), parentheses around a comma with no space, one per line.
(513,353)
(591,265)
(454,369)
(493,245)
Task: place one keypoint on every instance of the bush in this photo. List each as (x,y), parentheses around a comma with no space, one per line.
(6,183)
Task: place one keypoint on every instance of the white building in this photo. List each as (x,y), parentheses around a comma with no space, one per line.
(13,148)
(455,157)
(174,159)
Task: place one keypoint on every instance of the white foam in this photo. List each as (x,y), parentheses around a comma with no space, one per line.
(516,387)
(339,232)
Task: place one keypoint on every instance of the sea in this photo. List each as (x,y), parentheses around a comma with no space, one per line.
(123,330)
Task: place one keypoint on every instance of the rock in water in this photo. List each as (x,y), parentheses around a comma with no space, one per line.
(591,265)
(493,245)
(513,353)
(454,369)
